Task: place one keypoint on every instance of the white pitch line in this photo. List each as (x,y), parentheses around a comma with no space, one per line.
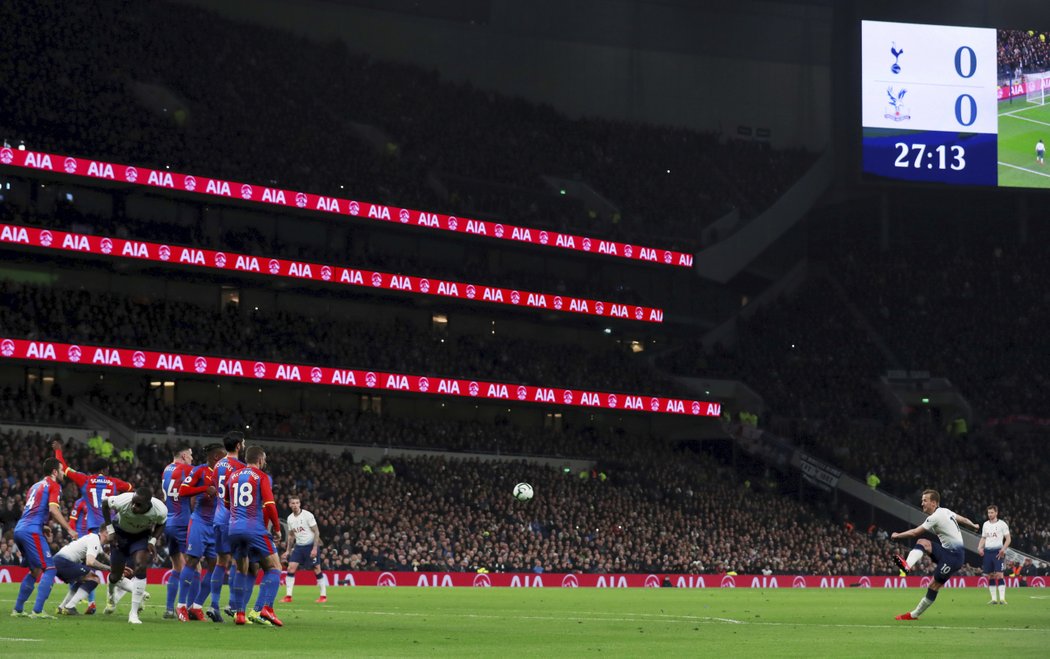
(21,640)
(1034,121)
(1023,169)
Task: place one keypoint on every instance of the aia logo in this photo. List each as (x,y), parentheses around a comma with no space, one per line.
(246,191)
(473,388)
(46,238)
(482,581)
(424,285)
(728,582)
(452,223)
(599,308)
(370,379)
(587,248)
(515,297)
(200,364)
(355,208)
(387,579)
(652,581)
(570,581)
(106,245)
(138,359)
(667,256)
(522,392)
(471,291)
(403,216)
(275,266)
(190,182)
(164,252)
(424,384)
(1038,582)
(638,313)
(70,165)
(544,238)
(7,156)
(315,375)
(982,582)
(131,174)
(799,582)
(74,354)
(628,251)
(499,230)
(220,260)
(654,404)
(696,407)
(326,273)
(260,370)
(612,400)
(377,279)
(567,396)
(300,200)
(557,302)
(864,582)
(7,348)
(924,582)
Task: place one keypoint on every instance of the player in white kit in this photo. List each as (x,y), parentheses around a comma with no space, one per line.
(949,554)
(74,564)
(138,525)
(995,540)
(1040,152)
(302,528)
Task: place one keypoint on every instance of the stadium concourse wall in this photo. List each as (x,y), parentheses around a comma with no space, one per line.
(157,576)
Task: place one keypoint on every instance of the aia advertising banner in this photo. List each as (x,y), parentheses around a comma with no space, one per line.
(63,241)
(12,574)
(233,367)
(96,169)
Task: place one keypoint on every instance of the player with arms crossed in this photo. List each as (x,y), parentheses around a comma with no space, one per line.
(200,538)
(74,563)
(135,532)
(41,505)
(233,442)
(302,528)
(995,540)
(178,520)
(949,554)
(252,509)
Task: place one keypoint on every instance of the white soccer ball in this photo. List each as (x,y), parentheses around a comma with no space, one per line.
(523,492)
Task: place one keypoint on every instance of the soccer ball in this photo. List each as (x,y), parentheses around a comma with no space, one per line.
(523,492)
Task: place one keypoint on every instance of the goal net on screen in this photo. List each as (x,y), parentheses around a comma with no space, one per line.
(1037,86)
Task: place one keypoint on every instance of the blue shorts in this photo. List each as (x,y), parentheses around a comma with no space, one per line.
(126,545)
(36,553)
(991,563)
(254,546)
(221,533)
(70,571)
(949,561)
(200,539)
(175,537)
(301,555)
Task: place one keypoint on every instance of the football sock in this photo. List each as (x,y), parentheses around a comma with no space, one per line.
(271,583)
(138,593)
(235,588)
(186,578)
(924,603)
(247,587)
(289,584)
(173,589)
(85,589)
(69,596)
(91,596)
(218,576)
(1002,589)
(203,590)
(24,591)
(322,582)
(914,556)
(47,581)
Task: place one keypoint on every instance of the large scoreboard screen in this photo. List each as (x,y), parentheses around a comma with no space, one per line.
(958,105)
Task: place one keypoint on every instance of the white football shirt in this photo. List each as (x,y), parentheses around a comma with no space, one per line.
(132,522)
(942,522)
(300,525)
(84,546)
(994,534)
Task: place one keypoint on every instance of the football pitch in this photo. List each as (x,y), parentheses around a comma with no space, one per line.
(1021,125)
(486,622)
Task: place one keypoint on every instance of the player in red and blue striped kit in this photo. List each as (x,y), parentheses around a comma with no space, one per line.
(233,442)
(94,487)
(41,506)
(178,519)
(200,538)
(252,511)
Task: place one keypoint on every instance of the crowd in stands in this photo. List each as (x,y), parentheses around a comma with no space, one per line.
(1022,52)
(396,345)
(658,510)
(178,86)
(29,406)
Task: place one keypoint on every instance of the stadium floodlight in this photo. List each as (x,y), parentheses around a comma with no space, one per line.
(1036,87)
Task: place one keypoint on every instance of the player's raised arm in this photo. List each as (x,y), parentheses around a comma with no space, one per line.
(967,522)
(910,533)
(67,471)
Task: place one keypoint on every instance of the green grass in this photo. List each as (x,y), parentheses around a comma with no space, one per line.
(570,622)
(1021,125)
